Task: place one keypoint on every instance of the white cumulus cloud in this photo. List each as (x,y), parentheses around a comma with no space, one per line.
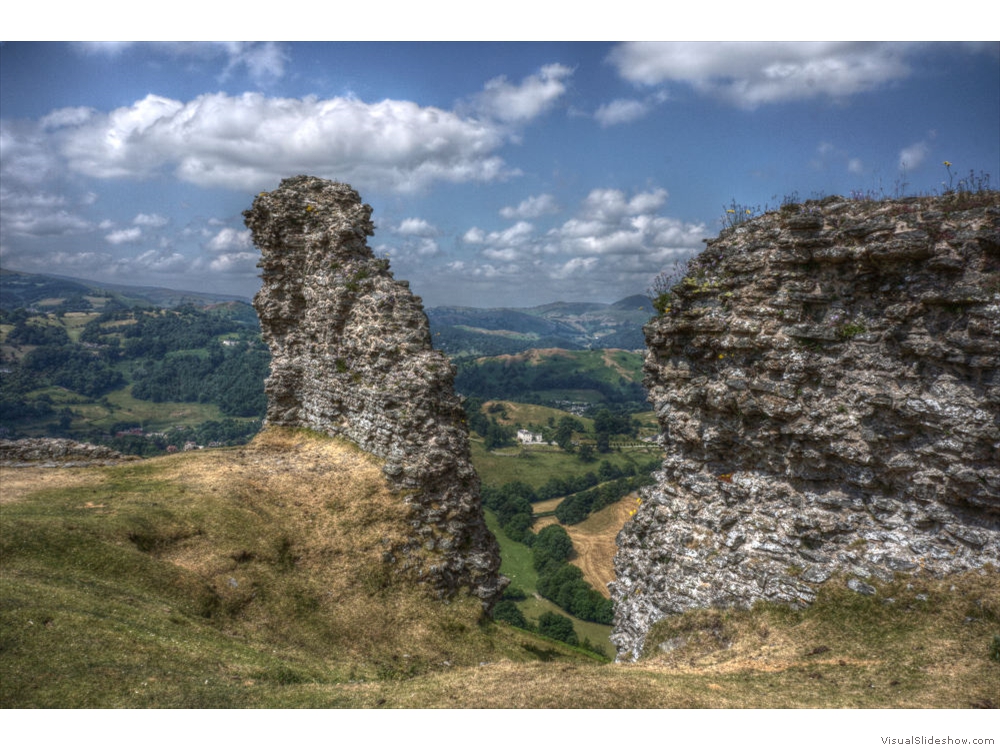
(121,236)
(531,207)
(751,74)
(621,111)
(227,239)
(250,141)
(614,245)
(913,155)
(153,221)
(416,226)
(241,263)
(510,102)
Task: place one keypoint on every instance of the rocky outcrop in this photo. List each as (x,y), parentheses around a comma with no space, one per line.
(352,357)
(827,386)
(53,452)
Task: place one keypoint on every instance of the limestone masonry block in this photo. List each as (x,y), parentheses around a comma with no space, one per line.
(352,357)
(827,387)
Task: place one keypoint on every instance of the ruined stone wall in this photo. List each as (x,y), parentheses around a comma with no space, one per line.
(58,452)
(352,356)
(826,383)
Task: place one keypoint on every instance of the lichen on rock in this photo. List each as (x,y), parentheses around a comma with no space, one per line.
(827,384)
(352,357)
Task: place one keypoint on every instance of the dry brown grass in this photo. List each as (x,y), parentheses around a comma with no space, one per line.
(279,550)
(255,577)
(338,523)
(16,484)
(545,506)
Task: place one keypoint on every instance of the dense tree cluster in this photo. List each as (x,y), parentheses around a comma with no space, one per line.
(512,506)
(551,549)
(73,367)
(516,498)
(558,627)
(494,434)
(507,611)
(231,379)
(34,334)
(608,423)
(576,507)
(563,583)
(156,333)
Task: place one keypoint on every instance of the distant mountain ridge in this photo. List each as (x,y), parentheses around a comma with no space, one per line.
(458,331)
(18,289)
(472,331)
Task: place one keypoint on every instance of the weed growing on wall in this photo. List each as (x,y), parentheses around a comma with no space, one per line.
(661,291)
(737,213)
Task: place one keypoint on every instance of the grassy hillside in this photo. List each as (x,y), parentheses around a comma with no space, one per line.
(557,377)
(536,464)
(254,577)
(224,578)
(517,567)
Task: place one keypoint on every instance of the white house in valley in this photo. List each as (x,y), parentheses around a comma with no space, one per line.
(527,437)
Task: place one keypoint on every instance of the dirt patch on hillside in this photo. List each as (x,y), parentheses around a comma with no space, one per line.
(594,540)
(531,356)
(610,362)
(546,506)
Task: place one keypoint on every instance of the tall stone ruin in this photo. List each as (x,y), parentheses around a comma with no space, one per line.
(352,357)
(827,382)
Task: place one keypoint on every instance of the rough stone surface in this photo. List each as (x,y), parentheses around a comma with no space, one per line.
(826,383)
(352,356)
(57,452)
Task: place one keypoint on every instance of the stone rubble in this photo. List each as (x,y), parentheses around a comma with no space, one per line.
(57,452)
(352,357)
(826,382)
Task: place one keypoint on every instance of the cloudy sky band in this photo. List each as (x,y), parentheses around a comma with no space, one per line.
(483,198)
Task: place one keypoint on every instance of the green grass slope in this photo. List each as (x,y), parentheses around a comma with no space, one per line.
(245,577)
(254,577)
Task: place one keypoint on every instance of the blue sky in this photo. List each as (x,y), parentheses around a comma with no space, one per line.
(500,173)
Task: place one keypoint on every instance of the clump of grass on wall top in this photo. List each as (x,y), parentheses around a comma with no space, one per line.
(661,291)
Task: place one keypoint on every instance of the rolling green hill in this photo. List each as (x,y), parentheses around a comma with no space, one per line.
(571,380)
(46,292)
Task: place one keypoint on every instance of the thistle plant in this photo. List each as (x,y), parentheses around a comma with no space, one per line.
(951,177)
(971,185)
(737,213)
